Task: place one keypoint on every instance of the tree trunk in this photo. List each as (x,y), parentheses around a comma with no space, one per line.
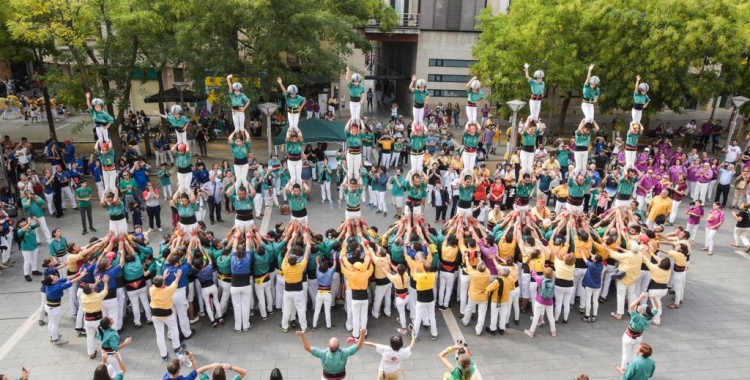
(162,110)
(82,69)
(39,68)
(563,113)
(741,133)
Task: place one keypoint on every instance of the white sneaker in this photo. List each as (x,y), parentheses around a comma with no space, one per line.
(160,230)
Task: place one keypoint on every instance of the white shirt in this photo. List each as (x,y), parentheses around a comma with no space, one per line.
(454,186)
(732,153)
(391,361)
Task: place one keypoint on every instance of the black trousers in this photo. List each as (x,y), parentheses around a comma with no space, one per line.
(86,213)
(454,204)
(202,147)
(722,190)
(440,210)
(154,213)
(214,209)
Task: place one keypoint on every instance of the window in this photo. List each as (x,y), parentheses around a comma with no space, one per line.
(448,93)
(451,62)
(448,78)
(178,74)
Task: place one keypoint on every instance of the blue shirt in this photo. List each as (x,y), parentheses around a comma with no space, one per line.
(191,376)
(112,273)
(241,266)
(62,176)
(173,274)
(70,152)
(593,277)
(207,273)
(89,278)
(325,279)
(48,272)
(141,177)
(96,172)
(725,176)
(56,291)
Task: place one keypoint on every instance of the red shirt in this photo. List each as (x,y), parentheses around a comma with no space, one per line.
(681,187)
(496,192)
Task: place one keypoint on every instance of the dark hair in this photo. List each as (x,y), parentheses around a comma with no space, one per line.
(396,342)
(173,367)
(647,350)
(100,373)
(104,324)
(276,374)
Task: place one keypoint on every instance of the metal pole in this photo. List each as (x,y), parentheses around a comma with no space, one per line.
(733,125)
(513,135)
(268,120)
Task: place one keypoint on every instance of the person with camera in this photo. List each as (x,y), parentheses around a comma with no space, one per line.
(463,367)
(393,355)
(174,367)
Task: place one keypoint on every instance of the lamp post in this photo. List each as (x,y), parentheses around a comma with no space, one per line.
(268,109)
(181,87)
(738,101)
(515,106)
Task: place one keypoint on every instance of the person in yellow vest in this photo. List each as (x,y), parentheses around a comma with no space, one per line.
(91,303)
(479,278)
(499,292)
(424,279)
(358,278)
(660,269)
(658,209)
(630,264)
(162,315)
(293,266)
(400,280)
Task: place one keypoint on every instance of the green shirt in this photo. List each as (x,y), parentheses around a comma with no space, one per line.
(118,209)
(58,247)
(471,141)
(128,187)
(625,186)
(353,198)
(639,98)
(524,191)
(164,177)
(186,211)
(183,159)
(297,202)
(563,157)
(28,238)
(177,123)
(466,193)
(536,88)
(353,141)
(639,322)
(418,142)
(204,376)
(529,139)
(284,176)
(474,97)
(397,251)
(583,139)
(240,151)
(224,264)
(334,362)
(420,96)
(294,102)
(238,100)
(294,148)
(632,139)
(106,159)
(589,93)
(242,204)
(577,191)
(33,208)
(396,190)
(368,138)
(133,270)
(101,117)
(639,368)
(416,192)
(84,193)
(356,91)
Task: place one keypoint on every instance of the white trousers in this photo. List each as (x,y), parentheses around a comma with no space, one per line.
(588,111)
(499,314)
(111,309)
(102,134)
(90,327)
(100,189)
(582,159)
(445,287)
(30,259)
(171,323)
(540,309)
(463,290)
(623,292)
(45,230)
(563,296)
(355,108)
(471,113)
(606,279)
(710,233)
(139,298)
(381,201)
(238,118)
(265,297)
(416,161)
(426,312)
(323,299)
(629,346)
(535,106)
(293,120)
(382,297)
(367,153)
(578,274)
(241,299)
(67,192)
(181,137)
(401,307)
(701,189)
(636,114)
(592,301)
(295,171)
(50,198)
(418,114)
(678,285)
(527,162)
(53,325)
(481,313)
(641,284)
(258,204)
(241,174)
(353,164)
(226,291)
(110,178)
(469,159)
(673,214)
(630,159)
(395,156)
(359,316)
(180,309)
(210,297)
(295,302)
(659,294)
(183,182)
(325,191)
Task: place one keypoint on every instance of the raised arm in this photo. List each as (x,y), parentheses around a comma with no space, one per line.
(468,84)
(637,82)
(281,85)
(588,76)
(411,84)
(526,71)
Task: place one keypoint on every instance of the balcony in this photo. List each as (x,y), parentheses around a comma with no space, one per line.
(407,23)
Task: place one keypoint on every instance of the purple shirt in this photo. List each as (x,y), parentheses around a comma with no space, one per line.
(675,171)
(487,136)
(647,182)
(692,173)
(488,253)
(718,218)
(542,301)
(706,128)
(703,175)
(692,219)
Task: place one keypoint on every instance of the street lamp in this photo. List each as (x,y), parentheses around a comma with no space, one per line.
(181,87)
(268,109)
(738,101)
(515,106)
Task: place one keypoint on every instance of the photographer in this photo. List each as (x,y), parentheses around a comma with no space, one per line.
(464,367)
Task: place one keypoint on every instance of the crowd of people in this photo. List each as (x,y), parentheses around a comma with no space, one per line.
(501,249)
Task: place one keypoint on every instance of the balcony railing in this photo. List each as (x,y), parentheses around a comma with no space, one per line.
(405,21)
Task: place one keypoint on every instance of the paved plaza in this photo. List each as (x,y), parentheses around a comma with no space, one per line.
(707,338)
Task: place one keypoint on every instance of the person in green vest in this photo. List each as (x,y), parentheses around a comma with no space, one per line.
(625,188)
(116,211)
(528,145)
(178,121)
(353,196)
(368,139)
(582,142)
(102,119)
(26,233)
(240,147)
(294,103)
(325,177)
(398,184)
(416,191)
(164,182)
(240,102)
(537,91)
(590,95)
(242,200)
(353,146)
(58,248)
(640,99)
(418,143)
(577,185)
(274,166)
(83,200)
(523,192)
(297,196)
(466,195)
(284,178)
(32,207)
(106,157)
(356,89)
(471,143)
(421,97)
(474,97)
(631,144)
(294,141)
(184,167)
(186,206)
(128,191)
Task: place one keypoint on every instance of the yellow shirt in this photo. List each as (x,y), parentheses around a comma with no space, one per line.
(379,272)
(386,144)
(540,214)
(506,250)
(398,281)
(161,298)
(425,281)
(457,163)
(563,271)
(601,250)
(630,263)
(478,284)
(659,206)
(498,297)
(678,257)
(91,303)
(561,192)
(73,260)
(357,280)
(658,275)
(448,253)
(551,165)
(582,248)
(293,273)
